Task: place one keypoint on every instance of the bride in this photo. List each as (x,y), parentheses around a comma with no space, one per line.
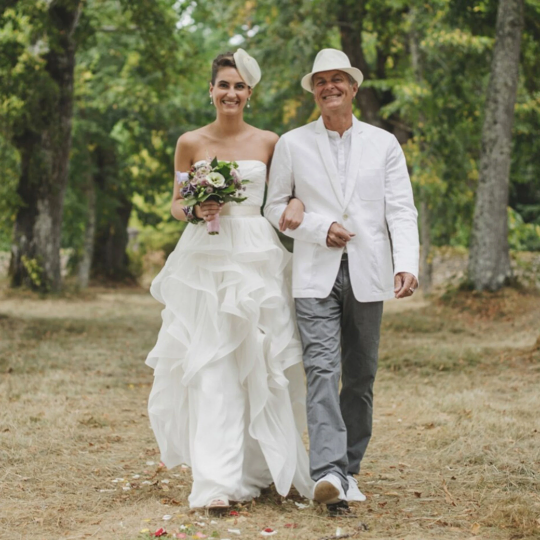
(228,396)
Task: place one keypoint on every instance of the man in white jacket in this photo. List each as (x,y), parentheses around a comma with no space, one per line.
(355,246)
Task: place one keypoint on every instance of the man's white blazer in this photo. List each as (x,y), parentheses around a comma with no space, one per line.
(377,206)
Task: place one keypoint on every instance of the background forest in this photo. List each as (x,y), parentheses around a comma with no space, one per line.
(141,71)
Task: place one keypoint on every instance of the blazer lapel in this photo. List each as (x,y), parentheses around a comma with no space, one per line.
(355,157)
(326,154)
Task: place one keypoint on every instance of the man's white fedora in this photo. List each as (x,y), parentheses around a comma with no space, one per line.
(330,59)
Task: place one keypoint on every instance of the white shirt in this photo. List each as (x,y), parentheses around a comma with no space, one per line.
(341,150)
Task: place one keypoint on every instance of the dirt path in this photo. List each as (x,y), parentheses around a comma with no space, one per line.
(455,452)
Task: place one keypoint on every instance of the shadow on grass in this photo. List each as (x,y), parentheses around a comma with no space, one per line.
(427,359)
(428,340)
(29,345)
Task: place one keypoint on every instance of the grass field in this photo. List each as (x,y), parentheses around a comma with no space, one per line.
(455,452)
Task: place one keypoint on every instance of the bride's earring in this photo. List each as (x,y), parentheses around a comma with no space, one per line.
(248,105)
(211,101)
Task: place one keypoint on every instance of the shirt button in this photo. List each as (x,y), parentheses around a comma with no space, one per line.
(345,216)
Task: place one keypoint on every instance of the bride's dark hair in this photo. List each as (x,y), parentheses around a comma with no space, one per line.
(221,61)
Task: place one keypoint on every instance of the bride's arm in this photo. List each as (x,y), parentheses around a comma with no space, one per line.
(182,163)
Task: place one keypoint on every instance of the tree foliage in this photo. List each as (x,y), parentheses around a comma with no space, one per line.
(141,80)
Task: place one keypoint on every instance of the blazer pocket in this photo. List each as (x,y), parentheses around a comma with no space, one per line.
(371,184)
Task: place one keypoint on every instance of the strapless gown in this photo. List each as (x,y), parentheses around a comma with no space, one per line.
(228,397)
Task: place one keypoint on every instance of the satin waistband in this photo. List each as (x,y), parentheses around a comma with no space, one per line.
(240,211)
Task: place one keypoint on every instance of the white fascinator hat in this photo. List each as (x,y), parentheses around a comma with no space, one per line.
(247,67)
(328,60)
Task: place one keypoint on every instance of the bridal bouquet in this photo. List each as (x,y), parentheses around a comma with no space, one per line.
(213,180)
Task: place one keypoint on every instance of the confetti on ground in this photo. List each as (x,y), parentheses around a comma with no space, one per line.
(291,525)
(302,506)
(234,513)
(268,532)
(234,531)
(146,483)
(135,476)
(160,532)
(165,481)
(150,463)
(166,517)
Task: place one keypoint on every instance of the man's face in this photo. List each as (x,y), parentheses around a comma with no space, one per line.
(333,90)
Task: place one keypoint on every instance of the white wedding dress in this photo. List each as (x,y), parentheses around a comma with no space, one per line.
(229,395)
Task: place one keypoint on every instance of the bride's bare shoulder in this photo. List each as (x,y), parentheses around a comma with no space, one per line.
(192,139)
(264,136)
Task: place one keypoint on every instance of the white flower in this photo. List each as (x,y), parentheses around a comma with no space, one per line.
(216,179)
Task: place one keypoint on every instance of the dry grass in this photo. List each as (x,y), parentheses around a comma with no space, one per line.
(455,453)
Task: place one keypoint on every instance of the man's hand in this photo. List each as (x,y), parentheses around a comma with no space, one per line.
(404,284)
(207,210)
(292,216)
(338,236)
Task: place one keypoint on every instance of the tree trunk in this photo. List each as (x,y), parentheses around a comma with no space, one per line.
(111,260)
(489,263)
(426,264)
(44,147)
(88,247)
(350,16)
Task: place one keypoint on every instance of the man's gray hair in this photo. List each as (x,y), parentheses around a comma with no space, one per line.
(352,80)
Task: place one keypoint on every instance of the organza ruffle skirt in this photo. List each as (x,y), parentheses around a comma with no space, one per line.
(229,395)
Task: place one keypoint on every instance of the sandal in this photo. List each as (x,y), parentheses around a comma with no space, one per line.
(219,503)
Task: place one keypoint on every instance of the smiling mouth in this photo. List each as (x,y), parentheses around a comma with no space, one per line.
(332,96)
(230,102)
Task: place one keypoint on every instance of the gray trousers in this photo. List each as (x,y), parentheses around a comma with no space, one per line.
(340,337)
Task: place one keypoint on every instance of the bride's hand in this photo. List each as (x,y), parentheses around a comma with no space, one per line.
(292,216)
(207,210)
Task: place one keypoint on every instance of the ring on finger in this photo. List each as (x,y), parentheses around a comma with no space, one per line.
(411,290)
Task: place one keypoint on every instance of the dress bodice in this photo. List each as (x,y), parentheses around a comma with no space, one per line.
(254,171)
